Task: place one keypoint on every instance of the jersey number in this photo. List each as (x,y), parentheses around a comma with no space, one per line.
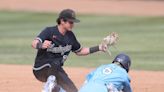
(107,70)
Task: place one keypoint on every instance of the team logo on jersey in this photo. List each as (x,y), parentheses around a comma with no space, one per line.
(107,70)
(60,49)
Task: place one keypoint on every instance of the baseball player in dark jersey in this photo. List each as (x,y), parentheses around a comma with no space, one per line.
(53,46)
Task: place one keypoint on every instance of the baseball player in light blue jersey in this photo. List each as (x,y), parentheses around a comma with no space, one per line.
(110,78)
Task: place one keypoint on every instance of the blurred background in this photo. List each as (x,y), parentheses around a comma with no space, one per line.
(139,23)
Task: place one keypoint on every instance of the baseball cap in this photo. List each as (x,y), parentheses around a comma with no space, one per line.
(68,14)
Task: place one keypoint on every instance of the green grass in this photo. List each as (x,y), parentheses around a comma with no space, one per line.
(140,37)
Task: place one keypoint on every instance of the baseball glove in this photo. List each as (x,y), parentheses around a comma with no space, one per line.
(109,41)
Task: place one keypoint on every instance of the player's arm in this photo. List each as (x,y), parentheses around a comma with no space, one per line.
(82,51)
(37,44)
(40,41)
(85,51)
(108,41)
(127,87)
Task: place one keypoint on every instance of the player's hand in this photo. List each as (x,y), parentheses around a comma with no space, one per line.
(108,41)
(46,44)
(111,39)
(103,47)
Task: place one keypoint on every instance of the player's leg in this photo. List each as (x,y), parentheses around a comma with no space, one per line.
(51,83)
(43,74)
(65,82)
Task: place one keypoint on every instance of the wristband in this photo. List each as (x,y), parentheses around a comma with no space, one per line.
(94,49)
(39,45)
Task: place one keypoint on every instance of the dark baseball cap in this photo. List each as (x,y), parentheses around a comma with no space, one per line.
(68,14)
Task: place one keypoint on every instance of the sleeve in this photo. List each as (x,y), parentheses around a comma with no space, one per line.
(76,45)
(127,87)
(89,76)
(45,34)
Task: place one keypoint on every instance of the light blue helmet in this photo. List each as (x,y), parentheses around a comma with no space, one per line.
(93,87)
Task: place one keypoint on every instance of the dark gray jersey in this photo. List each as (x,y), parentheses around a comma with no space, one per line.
(60,48)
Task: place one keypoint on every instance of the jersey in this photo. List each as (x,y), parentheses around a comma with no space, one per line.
(109,74)
(60,48)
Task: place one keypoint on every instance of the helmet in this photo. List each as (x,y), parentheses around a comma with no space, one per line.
(124,60)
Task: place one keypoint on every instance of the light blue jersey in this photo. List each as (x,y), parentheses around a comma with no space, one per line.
(105,76)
